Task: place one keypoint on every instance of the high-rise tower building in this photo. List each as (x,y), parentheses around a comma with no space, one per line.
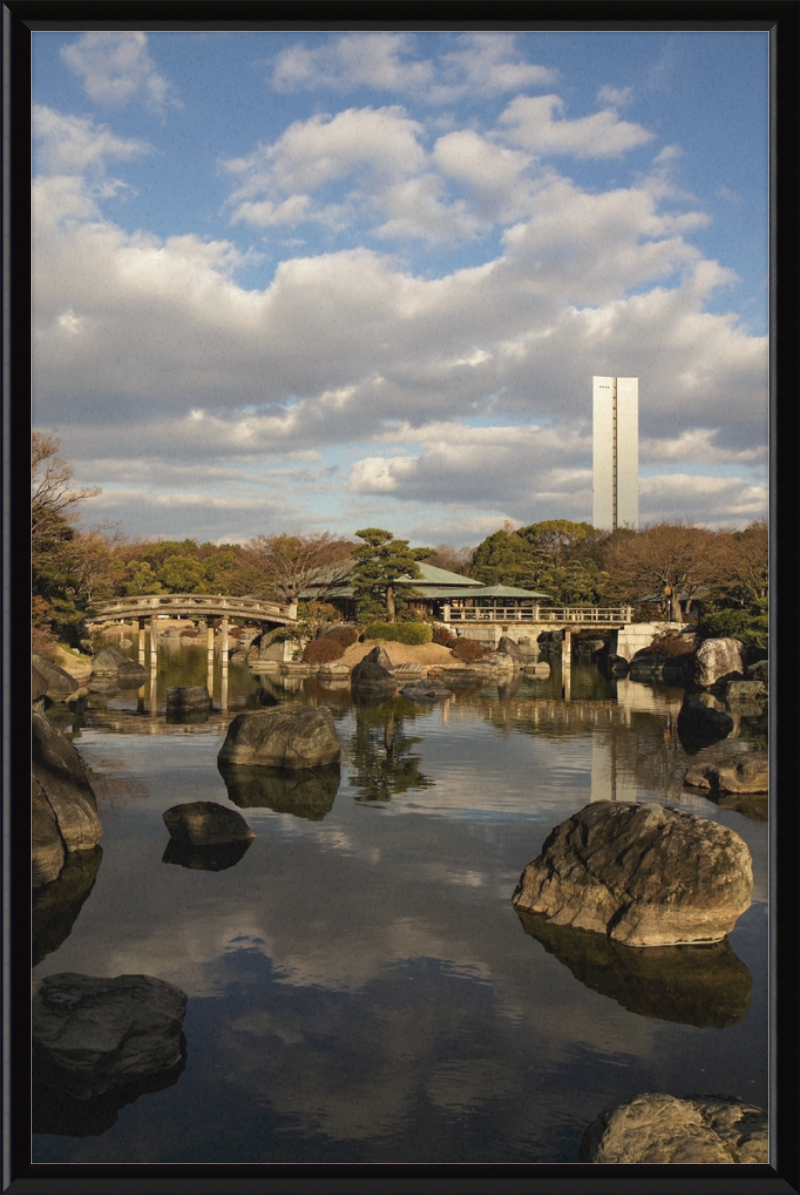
(615,403)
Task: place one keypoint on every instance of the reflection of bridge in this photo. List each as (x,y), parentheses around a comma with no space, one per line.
(193,605)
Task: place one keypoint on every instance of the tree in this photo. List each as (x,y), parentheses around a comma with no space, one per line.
(669,558)
(55,551)
(743,565)
(283,566)
(380,561)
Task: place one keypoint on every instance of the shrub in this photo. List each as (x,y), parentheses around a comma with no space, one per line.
(443,636)
(669,647)
(43,643)
(323,651)
(411,633)
(346,635)
(467,650)
(750,627)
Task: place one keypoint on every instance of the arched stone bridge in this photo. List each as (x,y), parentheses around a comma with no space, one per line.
(146,607)
(196,605)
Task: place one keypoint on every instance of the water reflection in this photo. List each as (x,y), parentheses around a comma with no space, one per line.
(383,762)
(308,793)
(217,856)
(706,986)
(57,905)
(58,1111)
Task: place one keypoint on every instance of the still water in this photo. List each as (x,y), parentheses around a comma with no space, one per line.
(360,987)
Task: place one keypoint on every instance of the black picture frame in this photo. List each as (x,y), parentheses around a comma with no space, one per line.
(782,19)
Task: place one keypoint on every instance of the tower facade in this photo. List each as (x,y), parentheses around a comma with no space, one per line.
(615,408)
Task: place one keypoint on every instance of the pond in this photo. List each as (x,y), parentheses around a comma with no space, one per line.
(360,987)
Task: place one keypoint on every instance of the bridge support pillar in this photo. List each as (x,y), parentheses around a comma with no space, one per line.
(223,697)
(210,660)
(141,623)
(566,664)
(153,641)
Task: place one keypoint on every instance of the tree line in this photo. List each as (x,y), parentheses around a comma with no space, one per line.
(662,570)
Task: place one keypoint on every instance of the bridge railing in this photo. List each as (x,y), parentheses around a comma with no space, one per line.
(201,604)
(603,615)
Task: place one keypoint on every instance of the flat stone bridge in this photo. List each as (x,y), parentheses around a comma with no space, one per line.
(147,607)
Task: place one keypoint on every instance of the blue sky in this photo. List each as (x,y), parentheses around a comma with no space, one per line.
(318,282)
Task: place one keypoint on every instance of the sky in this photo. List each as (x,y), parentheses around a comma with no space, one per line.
(306,282)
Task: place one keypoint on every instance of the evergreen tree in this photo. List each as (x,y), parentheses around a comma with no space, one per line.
(380,560)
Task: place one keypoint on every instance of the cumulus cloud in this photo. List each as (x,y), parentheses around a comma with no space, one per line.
(481,64)
(115,68)
(75,145)
(535,123)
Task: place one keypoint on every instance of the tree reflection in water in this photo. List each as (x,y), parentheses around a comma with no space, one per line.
(383,764)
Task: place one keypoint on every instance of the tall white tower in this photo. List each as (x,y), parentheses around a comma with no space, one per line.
(615,403)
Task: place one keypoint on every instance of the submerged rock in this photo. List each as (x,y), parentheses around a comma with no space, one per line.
(426,693)
(706,986)
(91,1034)
(204,823)
(746,773)
(641,874)
(661,1129)
(56,905)
(188,699)
(112,664)
(296,736)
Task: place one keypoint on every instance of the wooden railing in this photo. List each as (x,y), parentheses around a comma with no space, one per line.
(589,615)
(201,605)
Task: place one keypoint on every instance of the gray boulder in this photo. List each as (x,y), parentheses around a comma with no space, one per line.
(641,874)
(93,1034)
(429,693)
(747,773)
(379,656)
(191,698)
(759,671)
(507,647)
(63,803)
(60,685)
(296,736)
(744,690)
(661,1129)
(112,664)
(370,678)
(38,685)
(205,823)
(716,660)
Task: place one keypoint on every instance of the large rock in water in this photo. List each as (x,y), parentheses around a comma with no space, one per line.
(507,647)
(204,823)
(642,874)
(92,1034)
(112,664)
(747,773)
(716,659)
(289,736)
(64,808)
(658,1129)
(188,699)
(60,685)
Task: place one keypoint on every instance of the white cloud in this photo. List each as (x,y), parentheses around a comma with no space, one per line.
(617,97)
(534,123)
(73,145)
(482,64)
(115,68)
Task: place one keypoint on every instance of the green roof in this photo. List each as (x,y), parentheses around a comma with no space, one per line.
(432,581)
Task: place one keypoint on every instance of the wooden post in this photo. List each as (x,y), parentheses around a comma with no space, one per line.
(566,664)
(210,660)
(141,640)
(223,701)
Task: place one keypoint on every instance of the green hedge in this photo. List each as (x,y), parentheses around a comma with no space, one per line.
(749,626)
(412,633)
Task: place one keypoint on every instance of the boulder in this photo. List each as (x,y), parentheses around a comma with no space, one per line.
(717,659)
(507,647)
(661,1129)
(288,736)
(112,664)
(744,690)
(379,656)
(203,823)
(369,677)
(674,670)
(700,723)
(641,874)
(422,692)
(62,799)
(189,698)
(38,684)
(759,671)
(747,773)
(92,1034)
(60,685)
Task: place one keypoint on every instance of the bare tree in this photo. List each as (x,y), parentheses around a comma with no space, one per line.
(284,566)
(669,558)
(54,495)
